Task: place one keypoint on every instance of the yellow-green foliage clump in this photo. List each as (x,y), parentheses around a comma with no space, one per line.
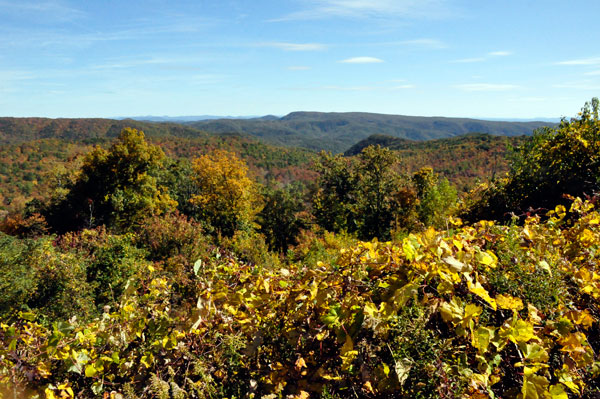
(482,311)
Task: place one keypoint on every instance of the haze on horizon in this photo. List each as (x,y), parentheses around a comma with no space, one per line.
(454,58)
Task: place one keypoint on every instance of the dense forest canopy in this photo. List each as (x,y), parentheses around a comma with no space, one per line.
(140,274)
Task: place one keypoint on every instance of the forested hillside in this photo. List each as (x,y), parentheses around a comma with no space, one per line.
(464,160)
(140,275)
(28,169)
(18,130)
(336,132)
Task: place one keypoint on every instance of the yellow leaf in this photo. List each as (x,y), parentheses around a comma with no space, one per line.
(544,265)
(487,259)
(43,369)
(452,311)
(534,387)
(558,392)
(521,332)
(481,292)
(300,363)
(587,238)
(147,360)
(566,379)
(348,345)
(561,211)
(455,265)
(302,395)
(370,309)
(90,371)
(481,338)
(583,318)
(535,353)
(528,234)
(49,394)
(573,342)
(509,302)
(368,387)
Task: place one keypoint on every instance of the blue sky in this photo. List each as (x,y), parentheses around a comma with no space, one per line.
(494,59)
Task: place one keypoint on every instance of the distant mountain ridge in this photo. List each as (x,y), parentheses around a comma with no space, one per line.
(190,118)
(332,131)
(16,130)
(338,131)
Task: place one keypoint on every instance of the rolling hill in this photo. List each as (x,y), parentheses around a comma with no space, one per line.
(19,130)
(336,132)
(463,159)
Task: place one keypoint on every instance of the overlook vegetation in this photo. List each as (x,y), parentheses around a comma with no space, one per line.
(140,274)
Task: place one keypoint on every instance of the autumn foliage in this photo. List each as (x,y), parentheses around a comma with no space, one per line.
(147,277)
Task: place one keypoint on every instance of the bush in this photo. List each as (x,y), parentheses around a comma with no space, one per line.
(34,275)
(554,163)
(109,261)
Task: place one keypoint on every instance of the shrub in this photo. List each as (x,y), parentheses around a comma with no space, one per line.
(553,163)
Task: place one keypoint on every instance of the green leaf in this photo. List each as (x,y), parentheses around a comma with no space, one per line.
(482,337)
(27,316)
(333,317)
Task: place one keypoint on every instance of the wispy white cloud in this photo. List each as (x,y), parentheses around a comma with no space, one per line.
(499,53)
(367,87)
(362,60)
(580,85)
(529,99)
(593,73)
(482,59)
(42,36)
(468,60)
(294,46)
(298,68)
(207,78)
(12,75)
(131,63)
(319,9)
(581,61)
(348,88)
(486,87)
(425,42)
(50,10)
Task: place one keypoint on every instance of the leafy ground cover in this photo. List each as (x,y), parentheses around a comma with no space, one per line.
(477,311)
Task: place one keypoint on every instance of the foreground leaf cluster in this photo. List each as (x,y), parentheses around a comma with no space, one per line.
(478,311)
